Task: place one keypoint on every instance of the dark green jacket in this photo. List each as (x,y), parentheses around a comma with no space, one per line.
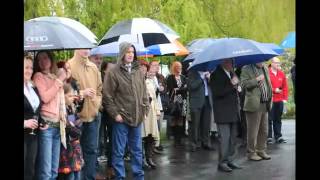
(250,84)
(125,93)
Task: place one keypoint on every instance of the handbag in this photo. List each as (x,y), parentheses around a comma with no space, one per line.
(174,107)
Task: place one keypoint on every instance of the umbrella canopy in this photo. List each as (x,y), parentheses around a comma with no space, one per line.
(274,47)
(112,49)
(175,48)
(243,51)
(197,46)
(72,24)
(289,41)
(146,31)
(150,37)
(47,35)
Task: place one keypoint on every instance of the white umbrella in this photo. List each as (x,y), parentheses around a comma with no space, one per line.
(72,24)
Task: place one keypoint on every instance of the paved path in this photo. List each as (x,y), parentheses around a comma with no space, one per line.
(179,164)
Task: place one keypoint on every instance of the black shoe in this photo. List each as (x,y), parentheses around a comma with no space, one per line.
(281,140)
(234,165)
(159,148)
(224,167)
(155,150)
(209,148)
(146,166)
(151,163)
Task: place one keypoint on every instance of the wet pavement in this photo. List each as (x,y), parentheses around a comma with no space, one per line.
(180,164)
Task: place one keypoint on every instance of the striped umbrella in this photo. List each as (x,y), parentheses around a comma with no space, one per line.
(141,32)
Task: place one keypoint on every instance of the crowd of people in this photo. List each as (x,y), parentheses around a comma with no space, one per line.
(77,112)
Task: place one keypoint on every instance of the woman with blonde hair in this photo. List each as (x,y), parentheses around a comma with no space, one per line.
(177,88)
(31,125)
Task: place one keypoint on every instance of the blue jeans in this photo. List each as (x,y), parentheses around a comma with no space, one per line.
(89,146)
(121,135)
(48,154)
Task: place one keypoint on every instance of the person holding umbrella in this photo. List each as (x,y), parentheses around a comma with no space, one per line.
(224,85)
(255,80)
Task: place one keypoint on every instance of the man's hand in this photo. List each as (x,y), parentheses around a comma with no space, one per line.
(89,92)
(235,80)
(239,89)
(260,77)
(119,118)
(207,75)
(277,90)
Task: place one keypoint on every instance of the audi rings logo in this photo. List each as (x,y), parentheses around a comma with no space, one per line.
(36,38)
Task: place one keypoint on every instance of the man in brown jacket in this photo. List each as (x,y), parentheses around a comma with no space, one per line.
(126,100)
(89,78)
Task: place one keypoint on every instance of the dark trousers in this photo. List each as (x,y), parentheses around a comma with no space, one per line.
(243,126)
(275,120)
(89,148)
(200,124)
(109,140)
(30,153)
(103,134)
(227,137)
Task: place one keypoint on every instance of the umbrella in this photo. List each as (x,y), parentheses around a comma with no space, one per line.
(112,49)
(47,35)
(243,51)
(175,48)
(274,47)
(289,41)
(144,31)
(197,46)
(72,24)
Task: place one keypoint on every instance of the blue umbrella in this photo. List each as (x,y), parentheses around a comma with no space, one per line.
(196,46)
(243,51)
(289,41)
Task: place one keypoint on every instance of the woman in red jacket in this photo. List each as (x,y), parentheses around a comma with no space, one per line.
(280,96)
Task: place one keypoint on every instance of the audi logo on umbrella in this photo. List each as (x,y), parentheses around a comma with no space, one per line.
(36,38)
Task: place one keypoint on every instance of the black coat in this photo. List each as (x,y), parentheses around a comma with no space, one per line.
(29,113)
(172,83)
(196,88)
(225,97)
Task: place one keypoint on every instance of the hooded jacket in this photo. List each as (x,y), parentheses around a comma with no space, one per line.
(125,93)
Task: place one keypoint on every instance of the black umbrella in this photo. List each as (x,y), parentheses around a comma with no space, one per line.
(45,35)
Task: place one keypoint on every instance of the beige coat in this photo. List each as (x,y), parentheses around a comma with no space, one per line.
(88,76)
(150,125)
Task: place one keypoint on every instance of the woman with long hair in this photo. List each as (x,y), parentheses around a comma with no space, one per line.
(50,88)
